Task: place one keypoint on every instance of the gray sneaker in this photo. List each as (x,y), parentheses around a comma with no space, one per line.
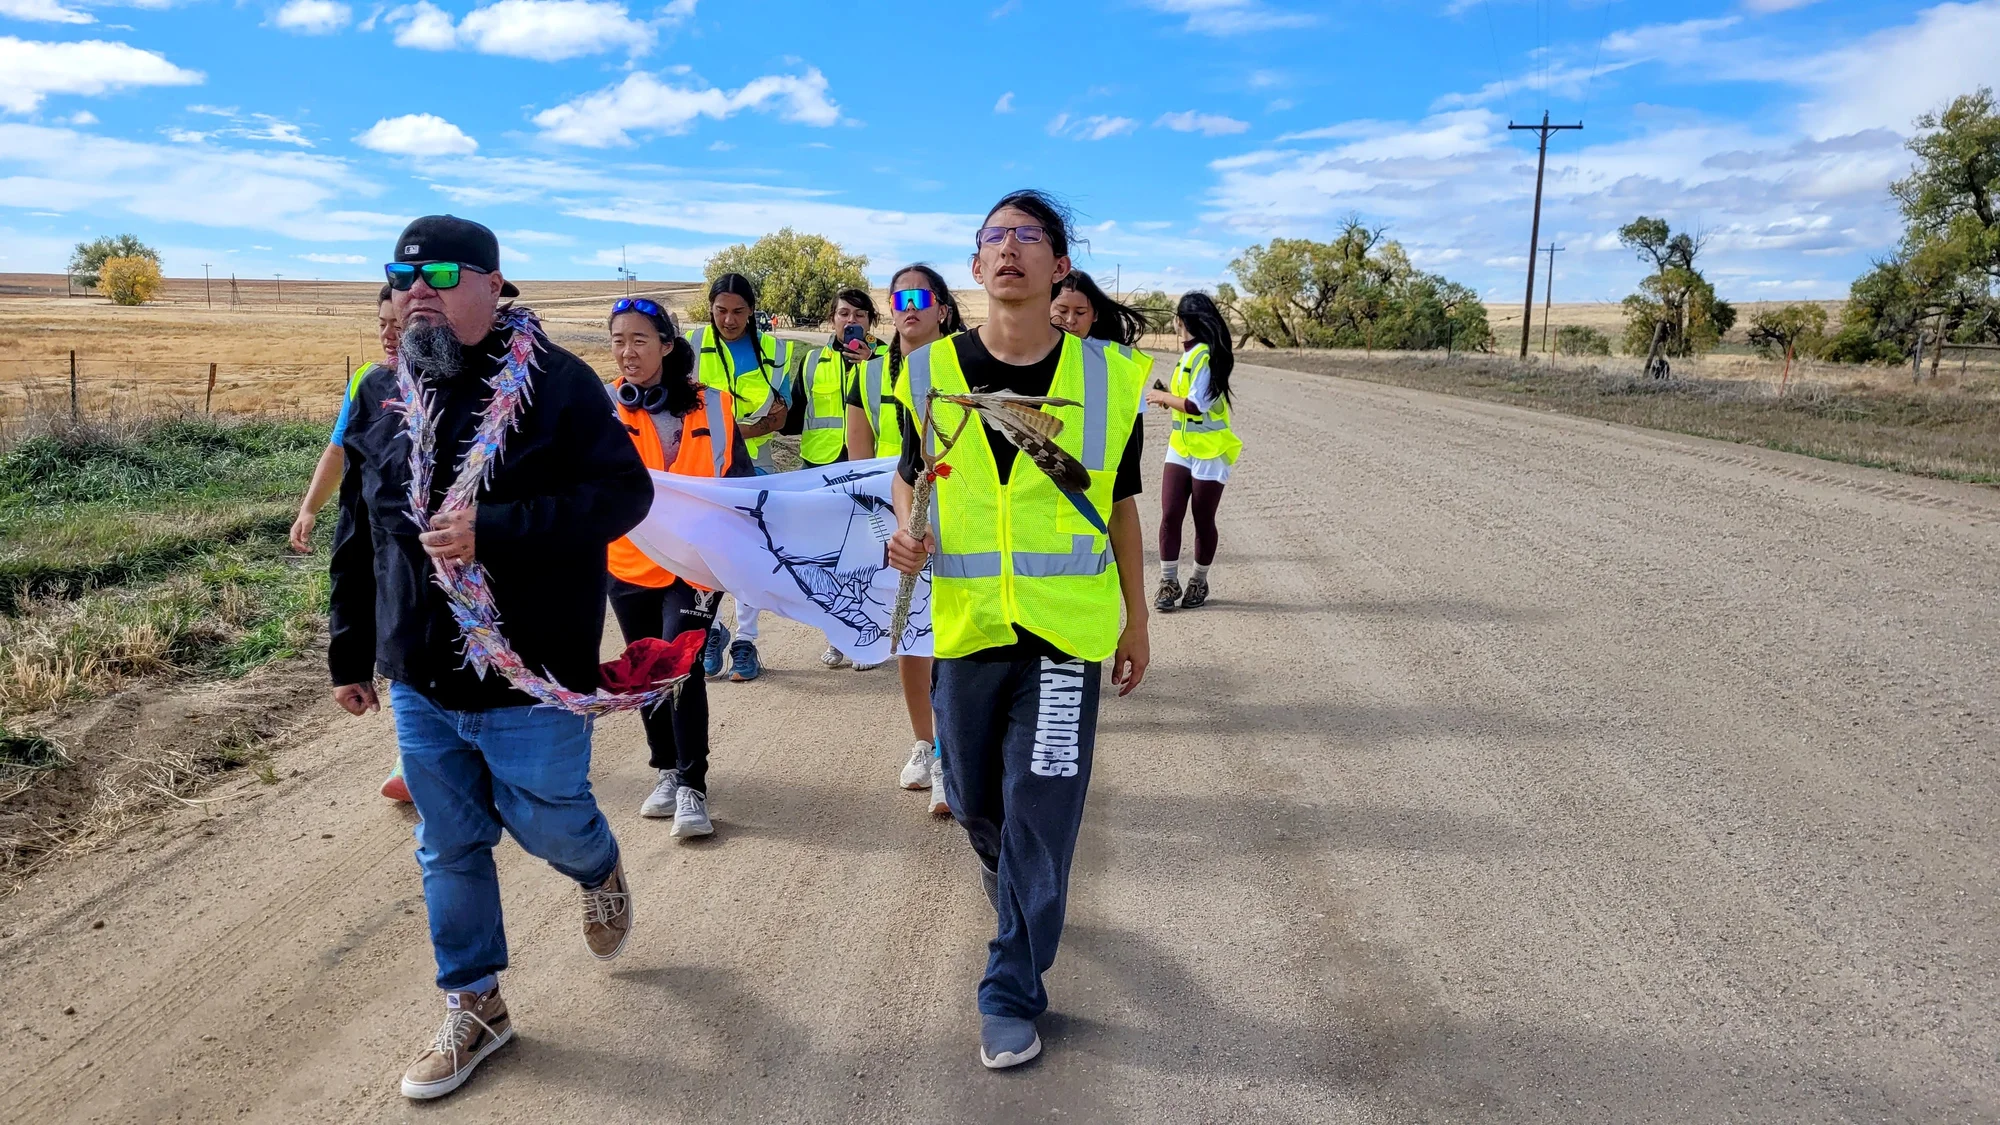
(660,803)
(1168,597)
(1006,1041)
(691,813)
(1197,594)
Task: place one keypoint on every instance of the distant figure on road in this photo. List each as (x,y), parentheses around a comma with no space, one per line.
(1027,583)
(479,757)
(1200,450)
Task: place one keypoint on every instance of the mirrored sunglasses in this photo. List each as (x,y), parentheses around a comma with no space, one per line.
(907,299)
(437,275)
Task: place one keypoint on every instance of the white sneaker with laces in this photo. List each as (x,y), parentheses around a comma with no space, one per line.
(940,806)
(917,771)
(660,803)
(691,813)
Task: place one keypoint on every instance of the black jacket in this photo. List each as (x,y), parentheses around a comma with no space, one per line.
(568,483)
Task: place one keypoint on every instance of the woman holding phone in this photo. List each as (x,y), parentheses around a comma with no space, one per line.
(1201,449)
(678,426)
(819,396)
(924,312)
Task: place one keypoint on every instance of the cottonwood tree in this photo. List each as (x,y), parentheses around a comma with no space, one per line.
(131,281)
(1939,285)
(797,275)
(86,262)
(1357,290)
(1675,303)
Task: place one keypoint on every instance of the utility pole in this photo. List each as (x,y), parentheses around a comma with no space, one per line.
(205,298)
(1535,232)
(1117,281)
(1549,291)
(281,280)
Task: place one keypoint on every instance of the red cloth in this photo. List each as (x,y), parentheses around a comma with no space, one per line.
(650,662)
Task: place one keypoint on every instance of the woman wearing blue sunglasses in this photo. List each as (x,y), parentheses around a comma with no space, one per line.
(923,311)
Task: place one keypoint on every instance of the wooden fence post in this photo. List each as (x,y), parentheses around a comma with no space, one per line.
(72,385)
(209,398)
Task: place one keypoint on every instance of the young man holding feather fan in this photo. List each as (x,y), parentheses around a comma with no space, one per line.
(1031,528)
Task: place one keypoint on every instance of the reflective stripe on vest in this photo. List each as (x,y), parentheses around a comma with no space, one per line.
(718,451)
(1018,555)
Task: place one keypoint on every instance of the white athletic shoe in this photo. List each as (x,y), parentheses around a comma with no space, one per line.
(939,805)
(660,803)
(691,813)
(917,771)
(832,658)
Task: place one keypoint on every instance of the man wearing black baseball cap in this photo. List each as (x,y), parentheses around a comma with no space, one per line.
(478,755)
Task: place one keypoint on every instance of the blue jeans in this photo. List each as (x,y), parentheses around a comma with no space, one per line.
(472,773)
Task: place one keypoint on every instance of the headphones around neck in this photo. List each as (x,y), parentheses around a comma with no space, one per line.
(651,399)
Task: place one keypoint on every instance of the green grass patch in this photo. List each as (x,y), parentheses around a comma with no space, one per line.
(84,507)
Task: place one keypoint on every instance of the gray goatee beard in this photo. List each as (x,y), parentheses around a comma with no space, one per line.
(432,349)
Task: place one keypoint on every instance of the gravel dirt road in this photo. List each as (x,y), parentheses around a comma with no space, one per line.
(1522,769)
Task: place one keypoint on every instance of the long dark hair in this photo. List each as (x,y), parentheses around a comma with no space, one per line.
(859,299)
(677,366)
(954,321)
(1197,312)
(742,287)
(1120,324)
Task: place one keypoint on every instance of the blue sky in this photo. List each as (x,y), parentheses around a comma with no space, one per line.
(296,136)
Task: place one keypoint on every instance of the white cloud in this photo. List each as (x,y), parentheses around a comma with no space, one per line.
(1096,127)
(1207,124)
(417,134)
(552,30)
(644,104)
(1005,104)
(336,259)
(1892,76)
(82,117)
(652,254)
(1231,17)
(43,11)
(544,30)
(424,26)
(295,194)
(30,70)
(313,17)
(537,237)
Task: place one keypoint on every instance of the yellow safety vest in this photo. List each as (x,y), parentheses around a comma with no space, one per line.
(751,389)
(881,410)
(360,373)
(1201,435)
(1022,554)
(824,432)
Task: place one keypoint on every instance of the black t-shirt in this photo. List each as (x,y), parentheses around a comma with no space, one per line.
(983,373)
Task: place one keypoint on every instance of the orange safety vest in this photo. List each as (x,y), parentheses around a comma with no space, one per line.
(703,453)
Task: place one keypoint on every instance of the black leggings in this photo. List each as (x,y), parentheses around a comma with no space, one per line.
(677,731)
(1177,486)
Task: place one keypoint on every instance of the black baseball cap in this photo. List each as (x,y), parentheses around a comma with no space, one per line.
(448,238)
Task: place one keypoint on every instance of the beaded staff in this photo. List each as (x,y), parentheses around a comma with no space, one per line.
(467,586)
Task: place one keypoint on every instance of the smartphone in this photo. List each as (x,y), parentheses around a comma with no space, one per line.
(852,335)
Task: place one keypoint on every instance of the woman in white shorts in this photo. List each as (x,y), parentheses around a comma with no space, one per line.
(1201,450)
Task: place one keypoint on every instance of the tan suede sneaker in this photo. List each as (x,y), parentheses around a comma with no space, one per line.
(474,1027)
(607,915)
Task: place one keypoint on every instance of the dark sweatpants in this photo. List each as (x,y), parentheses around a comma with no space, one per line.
(1017,738)
(677,730)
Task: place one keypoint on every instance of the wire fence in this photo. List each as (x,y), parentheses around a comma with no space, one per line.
(80,388)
